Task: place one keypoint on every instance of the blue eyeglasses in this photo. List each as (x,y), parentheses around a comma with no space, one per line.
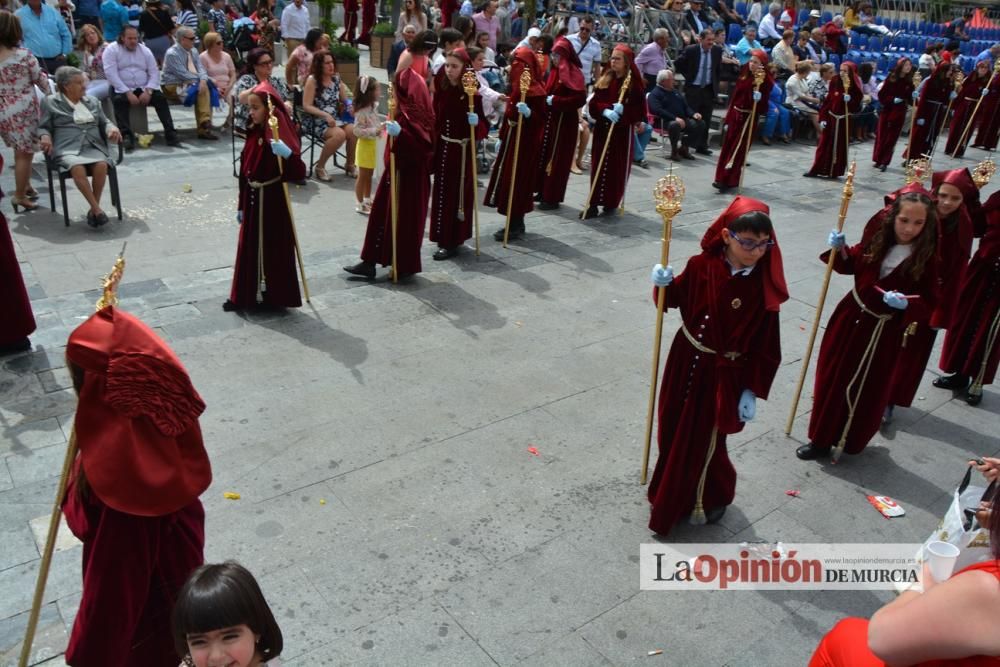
(750,245)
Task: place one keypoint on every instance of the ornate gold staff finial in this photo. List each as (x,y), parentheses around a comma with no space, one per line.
(109,285)
(758,77)
(469,83)
(668,193)
(917,79)
(983,172)
(918,170)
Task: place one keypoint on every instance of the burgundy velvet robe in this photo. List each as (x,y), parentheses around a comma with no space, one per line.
(452,182)
(847,336)
(978,307)
(267,204)
(133,569)
(413,162)
(498,190)
(740,107)
(964,107)
(367,21)
(954,249)
(831,154)
(989,125)
(891,117)
(559,138)
(18,320)
(350,20)
(618,161)
(448,7)
(701,391)
(931,107)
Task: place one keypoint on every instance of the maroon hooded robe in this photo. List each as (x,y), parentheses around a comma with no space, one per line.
(614,173)
(562,124)
(414,150)
(989,126)
(18,320)
(736,143)
(831,154)
(264,206)
(965,106)
(972,345)
(929,115)
(350,21)
(736,316)
(865,331)
(498,190)
(367,22)
(898,86)
(451,224)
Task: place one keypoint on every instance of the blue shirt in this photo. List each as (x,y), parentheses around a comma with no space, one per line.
(743,49)
(115,17)
(986,55)
(88,7)
(46,36)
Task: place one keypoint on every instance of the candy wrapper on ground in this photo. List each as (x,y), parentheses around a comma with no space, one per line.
(887,506)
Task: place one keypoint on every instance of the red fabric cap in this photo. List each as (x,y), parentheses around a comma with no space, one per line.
(569,67)
(530,62)
(761,56)
(961,179)
(637,78)
(775,288)
(137,417)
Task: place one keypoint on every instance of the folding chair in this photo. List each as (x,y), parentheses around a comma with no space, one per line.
(51,166)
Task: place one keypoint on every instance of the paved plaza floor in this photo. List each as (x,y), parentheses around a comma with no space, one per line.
(379,437)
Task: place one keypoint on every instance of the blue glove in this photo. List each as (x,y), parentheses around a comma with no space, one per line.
(895,300)
(916,94)
(548,100)
(985,92)
(499,145)
(611,115)
(239,217)
(523,109)
(473,118)
(822,125)
(897,100)
(921,122)
(662,277)
(280,149)
(748,406)
(619,109)
(847,98)
(836,240)
(756,96)
(953,95)
(392,128)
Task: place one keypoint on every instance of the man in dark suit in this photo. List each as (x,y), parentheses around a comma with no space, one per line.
(676,116)
(700,64)
(697,17)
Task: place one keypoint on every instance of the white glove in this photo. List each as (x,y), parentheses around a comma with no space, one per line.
(897,100)
(921,122)
(985,92)
(756,96)
(548,100)
(661,276)
(822,125)
(953,95)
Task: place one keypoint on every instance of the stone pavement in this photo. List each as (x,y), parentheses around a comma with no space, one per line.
(379,436)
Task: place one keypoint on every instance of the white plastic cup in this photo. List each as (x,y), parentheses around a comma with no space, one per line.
(941,558)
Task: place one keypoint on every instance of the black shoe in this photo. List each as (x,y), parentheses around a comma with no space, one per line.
(547,206)
(363,269)
(102,219)
(973,399)
(591,212)
(92,220)
(956,381)
(811,452)
(229,306)
(675,156)
(720,187)
(516,231)
(609,211)
(882,167)
(445,253)
(887,414)
(713,515)
(641,163)
(174,140)
(538,197)
(809,174)
(703,151)
(129,143)
(685,153)
(22,345)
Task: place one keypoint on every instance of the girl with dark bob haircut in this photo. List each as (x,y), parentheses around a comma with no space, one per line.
(223,602)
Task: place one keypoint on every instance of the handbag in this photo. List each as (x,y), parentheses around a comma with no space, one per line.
(960,527)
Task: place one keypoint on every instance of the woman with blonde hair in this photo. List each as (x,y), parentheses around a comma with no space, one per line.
(90,50)
(219,66)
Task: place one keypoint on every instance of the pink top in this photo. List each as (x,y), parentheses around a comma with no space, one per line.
(420,64)
(305,57)
(221,72)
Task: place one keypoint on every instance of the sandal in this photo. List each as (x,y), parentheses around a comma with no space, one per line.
(23,202)
(575,168)
(351,171)
(321,175)
(31,193)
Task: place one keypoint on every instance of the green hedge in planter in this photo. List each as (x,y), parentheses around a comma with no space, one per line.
(383,30)
(343,52)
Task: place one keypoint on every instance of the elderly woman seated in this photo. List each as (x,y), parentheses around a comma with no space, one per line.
(72,132)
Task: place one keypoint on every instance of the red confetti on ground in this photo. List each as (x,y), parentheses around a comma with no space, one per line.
(794,493)
(533,451)
(802,327)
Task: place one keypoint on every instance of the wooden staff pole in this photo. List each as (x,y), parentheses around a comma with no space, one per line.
(913,116)
(393,192)
(596,175)
(471,86)
(972,118)
(758,80)
(524,83)
(845,202)
(272,122)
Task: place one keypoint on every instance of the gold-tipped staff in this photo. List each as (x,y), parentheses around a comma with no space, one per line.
(668,194)
(471,86)
(596,174)
(845,79)
(393,192)
(845,202)
(109,297)
(917,79)
(968,126)
(981,176)
(758,79)
(272,122)
(524,83)
(959,80)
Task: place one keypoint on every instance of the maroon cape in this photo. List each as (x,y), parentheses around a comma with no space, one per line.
(451,224)
(735,141)
(964,107)
(930,112)
(849,333)
(124,615)
(891,117)
(562,124)
(350,20)
(989,125)
(18,320)
(618,160)
(498,190)
(367,21)
(831,154)
(265,208)
(967,343)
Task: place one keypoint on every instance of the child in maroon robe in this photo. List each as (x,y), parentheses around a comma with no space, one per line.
(895,95)
(265,271)
(614,125)
(724,357)
(834,118)
(895,283)
(566,94)
(350,21)
(453,205)
(929,115)
(412,142)
(974,88)
(989,127)
(972,346)
(738,137)
(18,320)
(956,194)
(133,494)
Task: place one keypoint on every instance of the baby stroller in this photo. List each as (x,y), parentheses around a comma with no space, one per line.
(241,40)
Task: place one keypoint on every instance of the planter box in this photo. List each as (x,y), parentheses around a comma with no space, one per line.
(348,72)
(378,52)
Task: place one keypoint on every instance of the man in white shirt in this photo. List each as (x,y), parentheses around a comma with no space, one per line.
(294,24)
(131,70)
(449,39)
(587,48)
(768,31)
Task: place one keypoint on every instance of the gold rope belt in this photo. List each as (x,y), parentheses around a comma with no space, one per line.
(707,350)
(461,178)
(258,185)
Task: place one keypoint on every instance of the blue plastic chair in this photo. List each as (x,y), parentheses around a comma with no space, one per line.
(735,33)
(835,60)
(904,25)
(742,9)
(825,18)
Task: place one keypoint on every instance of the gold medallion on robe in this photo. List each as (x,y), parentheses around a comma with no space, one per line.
(736,304)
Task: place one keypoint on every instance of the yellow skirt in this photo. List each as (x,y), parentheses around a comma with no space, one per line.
(364,153)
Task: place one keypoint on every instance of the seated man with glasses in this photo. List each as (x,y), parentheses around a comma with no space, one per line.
(183,77)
